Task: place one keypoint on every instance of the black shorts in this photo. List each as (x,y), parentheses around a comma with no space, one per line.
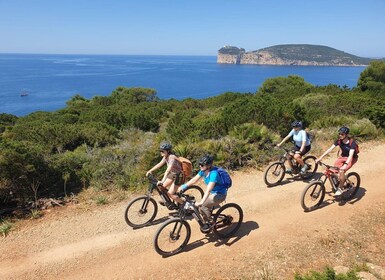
(307,149)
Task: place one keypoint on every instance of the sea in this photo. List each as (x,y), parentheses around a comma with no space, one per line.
(45,82)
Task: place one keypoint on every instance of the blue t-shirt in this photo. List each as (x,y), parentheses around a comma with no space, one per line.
(299,136)
(213,176)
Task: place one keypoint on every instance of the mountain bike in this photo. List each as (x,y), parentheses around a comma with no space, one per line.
(314,193)
(276,171)
(174,234)
(142,210)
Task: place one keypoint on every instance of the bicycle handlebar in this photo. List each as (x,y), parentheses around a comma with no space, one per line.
(328,166)
(152,178)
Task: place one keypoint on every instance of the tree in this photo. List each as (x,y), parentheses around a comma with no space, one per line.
(373,77)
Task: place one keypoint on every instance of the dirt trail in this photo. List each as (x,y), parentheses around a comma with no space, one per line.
(277,236)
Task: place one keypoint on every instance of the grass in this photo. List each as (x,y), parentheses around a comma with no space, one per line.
(5,228)
(36,214)
(327,274)
(101,200)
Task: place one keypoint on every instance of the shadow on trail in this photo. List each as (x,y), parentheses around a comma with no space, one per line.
(243,231)
(359,195)
(340,200)
(295,178)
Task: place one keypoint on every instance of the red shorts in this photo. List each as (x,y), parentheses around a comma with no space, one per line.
(341,160)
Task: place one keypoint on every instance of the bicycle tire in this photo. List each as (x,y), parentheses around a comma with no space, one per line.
(274,174)
(227,220)
(313,195)
(140,211)
(310,161)
(168,235)
(193,191)
(354,179)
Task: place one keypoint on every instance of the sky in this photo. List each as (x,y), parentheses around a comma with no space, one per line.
(195,27)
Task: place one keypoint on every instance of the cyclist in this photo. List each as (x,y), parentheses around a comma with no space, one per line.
(173,176)
(301,145)
(215,192)
(347,158)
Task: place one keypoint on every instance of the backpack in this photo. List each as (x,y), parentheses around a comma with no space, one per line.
(187,167)
(225,177)
(309,136)
(357,150)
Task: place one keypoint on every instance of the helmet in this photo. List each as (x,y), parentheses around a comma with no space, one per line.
(296,124)
(165,146)
(344,130)
(206,159)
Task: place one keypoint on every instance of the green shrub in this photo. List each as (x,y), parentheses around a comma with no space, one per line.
(327,274)
(5,228)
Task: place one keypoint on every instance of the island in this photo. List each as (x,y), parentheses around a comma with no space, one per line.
(291,54)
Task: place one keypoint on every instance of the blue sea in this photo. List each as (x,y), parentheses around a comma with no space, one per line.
(51,80)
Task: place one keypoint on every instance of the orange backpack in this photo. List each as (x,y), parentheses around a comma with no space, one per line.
(187,167)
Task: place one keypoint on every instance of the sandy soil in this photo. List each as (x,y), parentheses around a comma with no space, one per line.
(277,237)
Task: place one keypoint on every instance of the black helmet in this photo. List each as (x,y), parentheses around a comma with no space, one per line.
(165,146)
(206,159)
(296,124)
(344,130)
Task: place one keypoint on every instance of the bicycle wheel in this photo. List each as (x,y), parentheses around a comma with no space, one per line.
(140,211)
(312,167)
(227,220)
(195,191)
(352,184)
(274,174)
(312,196)
(172,237)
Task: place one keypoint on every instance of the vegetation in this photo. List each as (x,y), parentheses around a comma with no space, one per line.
(315,53)
(328,274)
(108,142)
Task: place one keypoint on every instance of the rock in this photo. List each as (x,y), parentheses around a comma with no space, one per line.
(366,275)
(377,270)
(341,269)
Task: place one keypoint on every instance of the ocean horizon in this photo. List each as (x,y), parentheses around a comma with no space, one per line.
(48,81)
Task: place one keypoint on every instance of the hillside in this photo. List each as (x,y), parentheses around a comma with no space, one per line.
(276,238)
(293,54)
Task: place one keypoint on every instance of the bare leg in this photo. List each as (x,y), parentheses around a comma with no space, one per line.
(299,159)
(172,195)
(342,178)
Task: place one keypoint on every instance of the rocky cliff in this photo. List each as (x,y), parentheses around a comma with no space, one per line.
(313,55)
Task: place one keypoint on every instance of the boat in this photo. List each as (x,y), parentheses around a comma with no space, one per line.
(24,92)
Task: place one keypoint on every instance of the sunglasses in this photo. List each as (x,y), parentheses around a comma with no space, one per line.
(201,165)
(341,134)
(161,151)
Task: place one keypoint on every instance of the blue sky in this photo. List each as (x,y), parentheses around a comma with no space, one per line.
(196,27)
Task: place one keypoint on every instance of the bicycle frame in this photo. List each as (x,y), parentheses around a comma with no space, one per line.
(287,156)
(154,186)
(329,172)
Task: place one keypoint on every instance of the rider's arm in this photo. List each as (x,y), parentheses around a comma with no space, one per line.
(209,188)
(191,182)
(166,173)
(303,142)
(157,166)
(284,140)
(349,160)
(326,152)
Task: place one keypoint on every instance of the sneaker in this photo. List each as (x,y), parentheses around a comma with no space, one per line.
(163,203)
(172,206)
(289,171)
(206,227)
(339,191)
(304,169)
